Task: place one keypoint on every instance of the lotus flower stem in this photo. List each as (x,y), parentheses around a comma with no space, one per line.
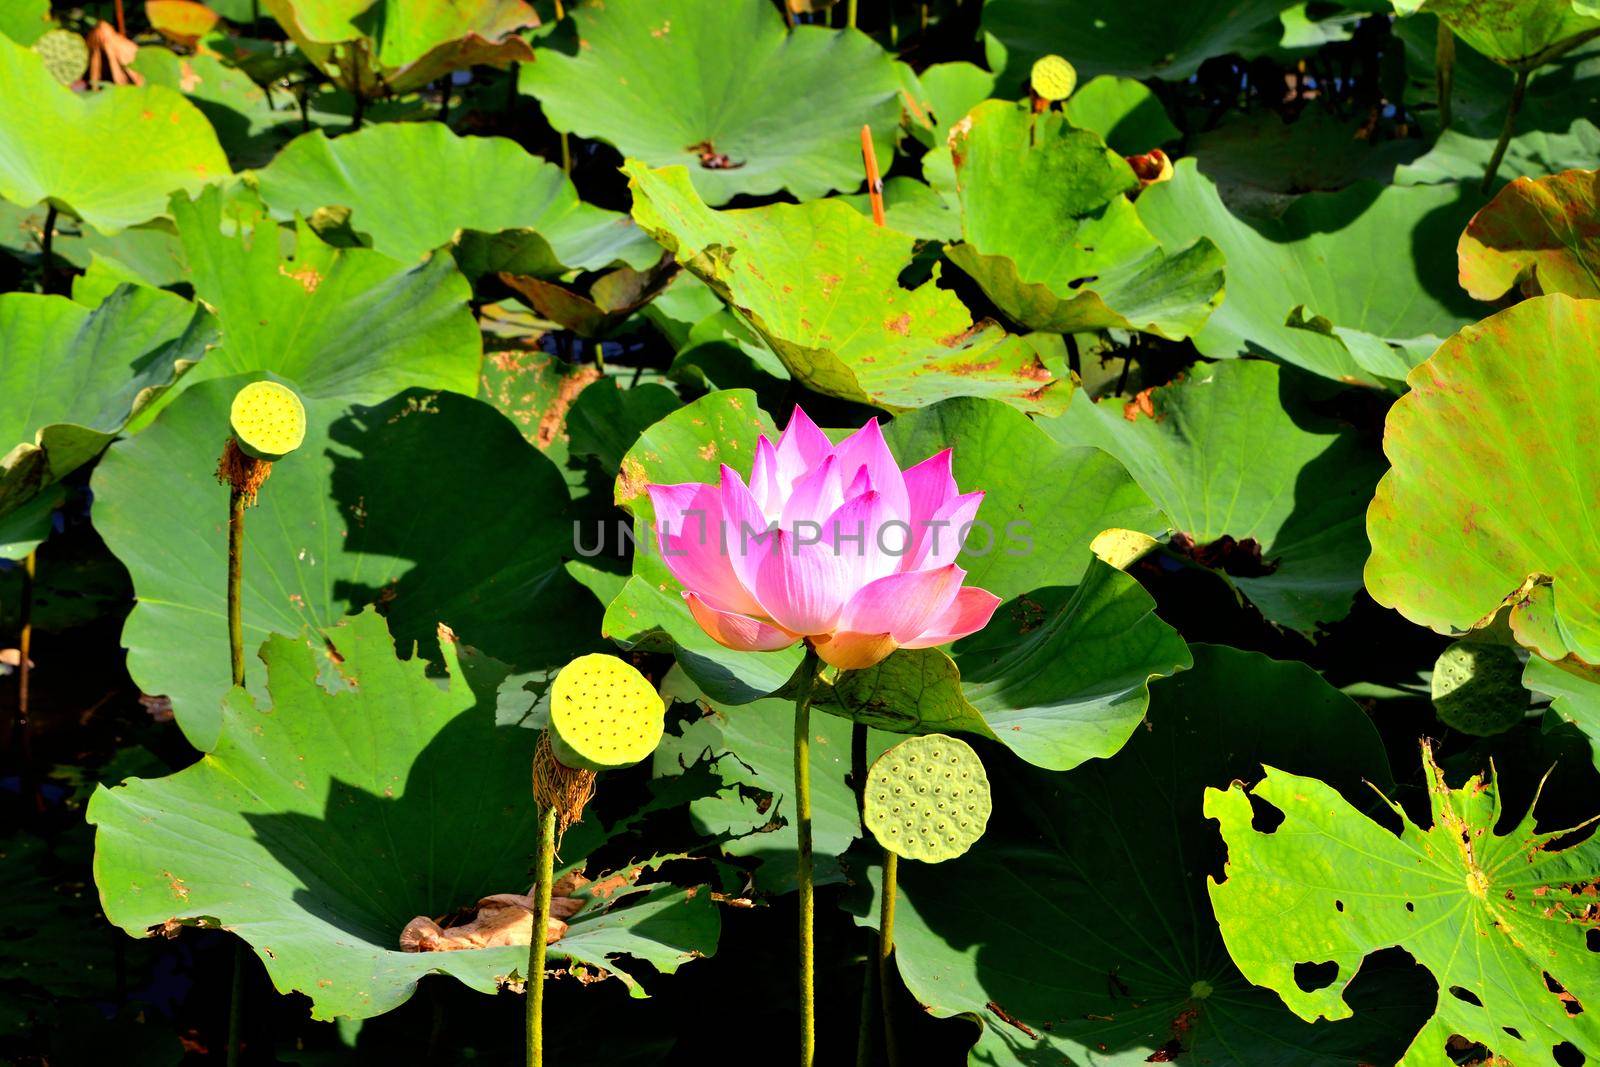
(47,241)
(545,870)
(891,872)
(236,504)
(1444,70)
(1517,93)
(809,668)
(850,14)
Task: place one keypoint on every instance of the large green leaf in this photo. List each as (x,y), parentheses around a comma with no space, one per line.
(378,47)
(1521,33)
(1077,930)
(1049,233)
(1058,676)
(1537,235)
(1233,450)
(248,127)
(820,284)
(349,323)
(25,21)
(1356,285)
(1575,696)
(1501,919)
(358,795)
(1161,38)
(71,377)
(1489,498)
(680,81)
(416,186)
(430,505)
(112,158)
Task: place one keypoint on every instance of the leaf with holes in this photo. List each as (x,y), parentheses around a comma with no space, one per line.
(429,504)
(1092,940)
(507,210)
(720,87)
(330,814)
(72,377)
(1049,233)
(111,158)
(1538,236)
(820,284)
(1234,450)
(1507,922)
(1486,505)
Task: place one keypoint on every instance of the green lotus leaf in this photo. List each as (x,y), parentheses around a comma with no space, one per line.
(111,158)
(1554,130)
(1166,39)
(1523,34)
(1058,676)
(248,127)
(1050,235)
(1233,450)
(914,208)
(1537,235)
(939,96)
(820,284)
(1574,693)
(25,21)
(1078,929)
(430,504)
(1454,538)
(1124,112)
(73,376)
(336,322)
(358,794)
(1497,917)
(612,298)
(753,749)
(694,82)
(505,209)
(382,47)
(690,445)
(1322,259)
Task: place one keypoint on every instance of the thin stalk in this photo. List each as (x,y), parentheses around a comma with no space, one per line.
(1517,92)
(803,865)
(561,11)
(869,999)
(891,872)
(858,782)
(1444,69)
(47,243)
(255,11)
(850,14)
(869,157)
(122,23)
(22,730)
(545,865)
(359,113)
(444,99)
(566,154)
(235,581)
(236,1006)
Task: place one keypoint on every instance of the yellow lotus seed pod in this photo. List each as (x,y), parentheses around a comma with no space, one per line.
(927,798)
(1053,78)
(268,420)
(604,715)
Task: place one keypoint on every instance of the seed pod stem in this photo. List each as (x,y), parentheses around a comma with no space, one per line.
(891,872)
(545,861)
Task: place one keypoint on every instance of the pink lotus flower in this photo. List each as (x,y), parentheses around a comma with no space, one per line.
(831,543)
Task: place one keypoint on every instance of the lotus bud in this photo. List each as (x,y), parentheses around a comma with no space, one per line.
(65,54)
(927,798)
(1051,80)
(1477,688)
(268,423)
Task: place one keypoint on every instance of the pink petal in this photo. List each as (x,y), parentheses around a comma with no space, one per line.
(851,651)
(902,605)
(744,536)
(736,631)
(801,586)
(867,538)
(815,495)
(867,449)
(801,447)
(943,534)
(928,485)
(689,523)
(967,614)
(764,485)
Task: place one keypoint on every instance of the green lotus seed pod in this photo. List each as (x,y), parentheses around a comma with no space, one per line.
(268,420)
(1477,688)
(1053,78)
(66,55)
(603,714)
(928,798)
